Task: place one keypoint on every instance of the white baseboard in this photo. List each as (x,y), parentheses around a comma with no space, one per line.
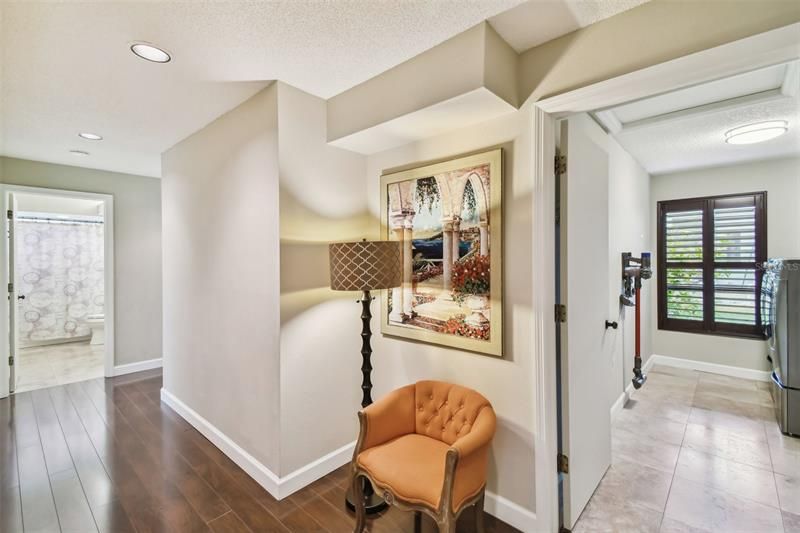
(626,394)
(121,370)
(279,487)
(511,513)
(713,368)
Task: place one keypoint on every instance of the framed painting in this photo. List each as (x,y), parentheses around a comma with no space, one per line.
(449,217)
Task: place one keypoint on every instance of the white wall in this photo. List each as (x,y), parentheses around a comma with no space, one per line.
(629,231)
(221,274)
(508,382)
(57,204)
(781,179)
(137,241)
(322,199)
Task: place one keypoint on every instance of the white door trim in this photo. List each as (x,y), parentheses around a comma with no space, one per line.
(765,49)
(108,250)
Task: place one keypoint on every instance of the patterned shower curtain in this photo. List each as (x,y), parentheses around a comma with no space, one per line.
(59,270)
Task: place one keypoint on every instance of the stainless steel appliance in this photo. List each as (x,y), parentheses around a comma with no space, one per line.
(780,318)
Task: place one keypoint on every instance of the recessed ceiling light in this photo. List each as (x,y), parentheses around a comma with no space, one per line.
(756,133)
(79,152)
(150,53)
(90,136)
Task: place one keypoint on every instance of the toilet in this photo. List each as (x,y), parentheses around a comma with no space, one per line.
(97,324)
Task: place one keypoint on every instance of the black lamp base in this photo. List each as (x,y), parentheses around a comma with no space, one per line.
(372,502)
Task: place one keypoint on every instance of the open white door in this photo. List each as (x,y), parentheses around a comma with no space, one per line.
(586,356)
(12,296)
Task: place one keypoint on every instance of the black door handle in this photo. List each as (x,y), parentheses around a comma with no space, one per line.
(21,297)
(612,325)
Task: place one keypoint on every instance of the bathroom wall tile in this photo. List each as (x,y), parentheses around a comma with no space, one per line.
(789,491)
(699,505)
(743,480)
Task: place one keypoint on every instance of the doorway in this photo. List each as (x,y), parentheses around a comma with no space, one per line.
(59,267)
(583,442)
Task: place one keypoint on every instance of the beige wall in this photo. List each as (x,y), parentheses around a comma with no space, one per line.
(221,274)
(781,179)
(629,231)
(322,200)
(137,241)
(508,382)
(655,32)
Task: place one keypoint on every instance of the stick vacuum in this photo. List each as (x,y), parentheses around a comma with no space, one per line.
(634,270)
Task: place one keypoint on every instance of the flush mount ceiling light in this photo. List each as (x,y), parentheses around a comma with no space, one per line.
(756,133)
(80,153)
(149,52)
(90,136)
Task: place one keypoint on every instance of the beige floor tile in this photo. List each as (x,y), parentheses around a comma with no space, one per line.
(58,364)
(738,426)
(785,460)
(743,480)
(658,428)
(718,403)
(791,522)
(640,448)
(670,525)
(739,383)
(699,505)
(613,514)
(674,371)
(727,445)
(636,483)
(758,397)
(789,491)
(660,407)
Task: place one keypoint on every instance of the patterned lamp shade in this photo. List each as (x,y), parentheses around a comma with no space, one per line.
(365,265)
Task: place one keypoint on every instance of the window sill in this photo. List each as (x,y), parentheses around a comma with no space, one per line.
(749,336)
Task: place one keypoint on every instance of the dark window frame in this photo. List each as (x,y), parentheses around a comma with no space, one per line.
(707,204)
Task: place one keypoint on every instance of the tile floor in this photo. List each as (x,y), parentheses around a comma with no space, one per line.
(698,453)
(58,364)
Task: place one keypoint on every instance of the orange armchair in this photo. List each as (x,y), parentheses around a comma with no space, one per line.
(425,448)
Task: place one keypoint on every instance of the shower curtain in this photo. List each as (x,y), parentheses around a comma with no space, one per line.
(59,270)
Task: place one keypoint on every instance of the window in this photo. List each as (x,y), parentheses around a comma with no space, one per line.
(709,256)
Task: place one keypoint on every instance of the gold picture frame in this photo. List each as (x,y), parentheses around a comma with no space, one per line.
(449,217)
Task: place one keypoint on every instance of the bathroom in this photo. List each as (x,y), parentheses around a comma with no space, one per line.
(59,284)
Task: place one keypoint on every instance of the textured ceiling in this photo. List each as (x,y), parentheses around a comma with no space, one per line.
(538,21)
(685,129)
(66,67)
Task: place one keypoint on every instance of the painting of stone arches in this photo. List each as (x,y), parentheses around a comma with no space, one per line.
(448,217)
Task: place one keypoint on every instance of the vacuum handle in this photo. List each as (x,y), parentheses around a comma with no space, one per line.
(612,325)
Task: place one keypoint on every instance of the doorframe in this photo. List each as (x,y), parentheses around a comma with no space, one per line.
(108,271)
(758,51)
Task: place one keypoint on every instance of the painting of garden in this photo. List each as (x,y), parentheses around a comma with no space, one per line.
(444,221)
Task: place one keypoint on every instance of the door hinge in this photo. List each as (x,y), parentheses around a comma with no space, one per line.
(561,313)
(560,166)
(10,360)
(10,287)
(9,214)
(563,463)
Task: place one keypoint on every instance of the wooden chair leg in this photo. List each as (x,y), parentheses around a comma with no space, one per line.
(417,521)
(447,524)
(358,503)
(479,526)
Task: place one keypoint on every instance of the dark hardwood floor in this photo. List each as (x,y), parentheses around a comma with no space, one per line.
(106,455)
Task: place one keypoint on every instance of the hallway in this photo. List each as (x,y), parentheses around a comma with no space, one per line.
(106,455)
(697,453)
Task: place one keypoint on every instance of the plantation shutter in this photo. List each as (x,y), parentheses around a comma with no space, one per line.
(709,252)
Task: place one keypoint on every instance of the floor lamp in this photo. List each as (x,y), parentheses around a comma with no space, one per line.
(365,266)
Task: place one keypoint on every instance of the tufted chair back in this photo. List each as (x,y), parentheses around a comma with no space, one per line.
(445,411)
